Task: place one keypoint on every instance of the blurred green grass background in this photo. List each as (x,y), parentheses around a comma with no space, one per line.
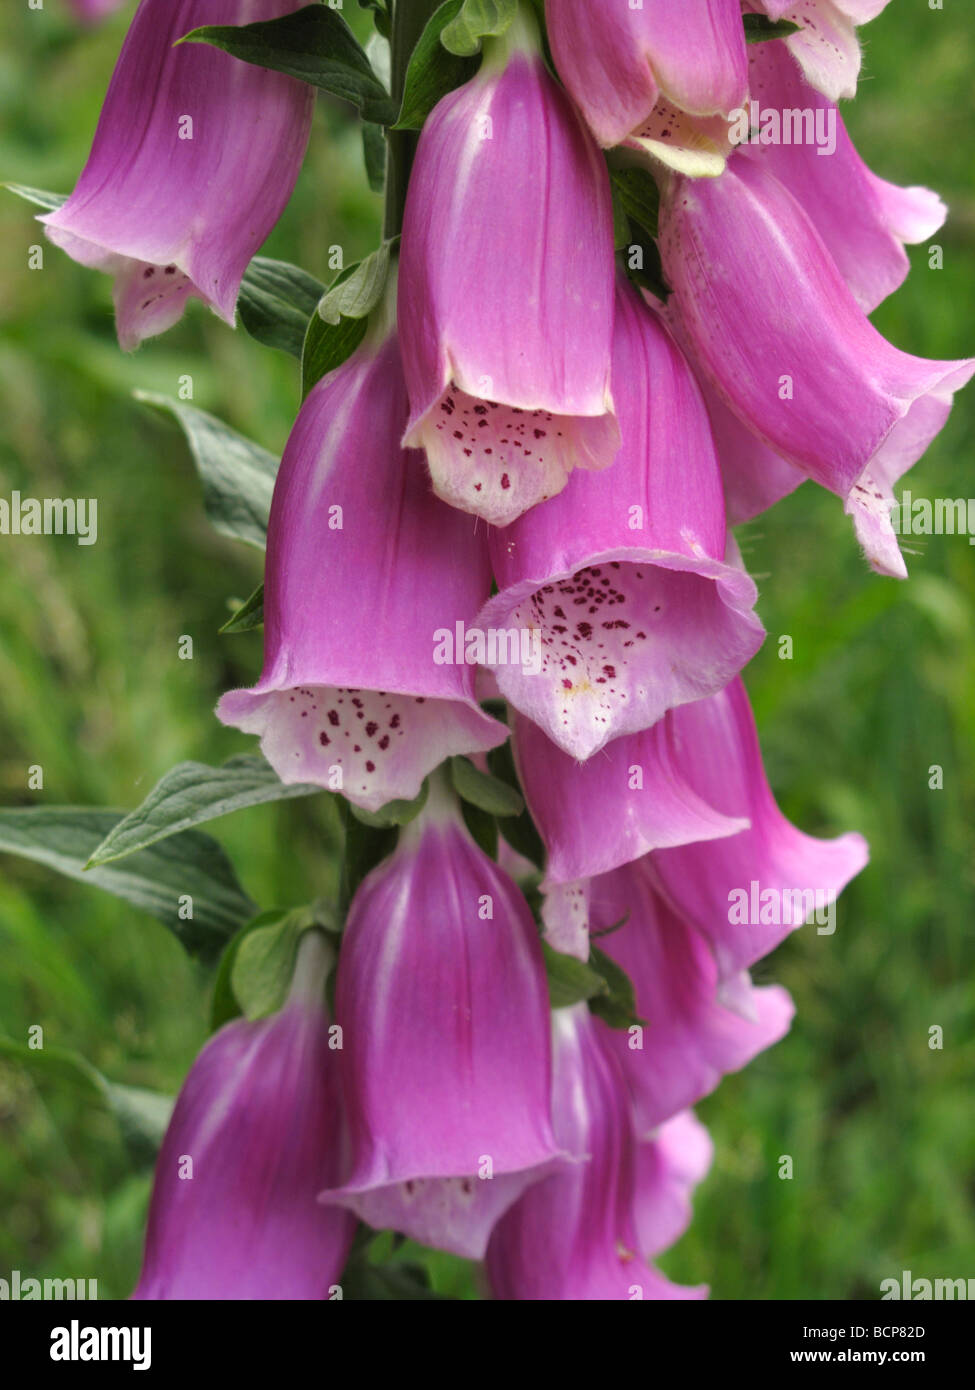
(881,1128)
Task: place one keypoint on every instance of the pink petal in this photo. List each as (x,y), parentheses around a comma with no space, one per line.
(242,1222)
(496,346)
(690,1039)
(630,798)
(171,216)
(622,580)
(350,679)
(721,759)
(771,320)
(863,220)
(442,999)
(669,1167)
(574,1236)
(617,60)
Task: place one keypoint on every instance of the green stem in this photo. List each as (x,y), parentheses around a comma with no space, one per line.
(409,21)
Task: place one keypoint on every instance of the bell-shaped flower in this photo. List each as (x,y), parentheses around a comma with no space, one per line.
(747,892)
(576,1235)
(195,156)
(255,1135)
(506,288)
(631,798)
(366,570)
(693,1032)
(619,589)
(660,76)
(442,1000)
(826,45)
(772,321)
(865,221)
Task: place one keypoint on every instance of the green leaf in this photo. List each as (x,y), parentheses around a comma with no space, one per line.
(187,866)
(520,832)
(224,1005)
(142,1114)
(374,157)
(260,975)
(638,196)
(237,475)
(758,28)
(192,793)
(650,275)
(616,1005)
(276,301)
(365,846)
(482,827)
(327,346)
(249,615)
(315,45)
(400,1283)
(380,15)
(488,793)
(432,71)
(48,201)
(339,326)
(570,981)
(394,813)
(356,294)
(477,19)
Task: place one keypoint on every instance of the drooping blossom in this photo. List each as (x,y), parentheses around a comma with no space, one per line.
(692,795)
(364,567)
(195,156)
(662,77)
(625,582)
(443,1004)
(710,886)
(695,1030)
(579,1233)
(864,220)
(255,1135)
(506,288)
(771,320)
(630,798)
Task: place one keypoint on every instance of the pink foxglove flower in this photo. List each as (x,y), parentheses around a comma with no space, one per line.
(661,76)
(631,798)
(864,220)
(576,1235)
(194,158)
(255,1135)
(443,1004)
(625,582)
(364,567)
(772,321)
(718,887)
(695,1032)
(506,289)
(826,45)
